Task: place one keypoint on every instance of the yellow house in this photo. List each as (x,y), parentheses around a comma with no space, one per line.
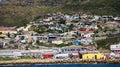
(92,56)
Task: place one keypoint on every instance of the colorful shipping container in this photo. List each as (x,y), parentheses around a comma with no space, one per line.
(93,57)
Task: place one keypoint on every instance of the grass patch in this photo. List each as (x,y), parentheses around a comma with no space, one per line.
(6,59)
(26,57)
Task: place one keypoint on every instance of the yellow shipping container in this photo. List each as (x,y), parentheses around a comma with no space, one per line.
(92,56)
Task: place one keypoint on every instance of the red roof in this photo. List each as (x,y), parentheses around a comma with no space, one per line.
(7,29)
(85,30)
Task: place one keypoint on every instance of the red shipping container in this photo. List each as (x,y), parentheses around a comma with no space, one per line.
(47,56)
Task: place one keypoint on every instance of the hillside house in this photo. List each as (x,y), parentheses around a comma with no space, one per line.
(85,32)
(5,30)
(115,51)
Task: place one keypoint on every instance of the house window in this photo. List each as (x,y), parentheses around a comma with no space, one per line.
(62,50)
(72,49)
(78,49)
(65,49)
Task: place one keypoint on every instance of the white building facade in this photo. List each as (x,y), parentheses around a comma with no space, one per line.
(115,50)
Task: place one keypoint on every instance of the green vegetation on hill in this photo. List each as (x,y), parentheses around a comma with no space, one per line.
(100,7)
(12,15)
(105,43)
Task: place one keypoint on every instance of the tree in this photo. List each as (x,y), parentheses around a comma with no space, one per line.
(0,33)
(62,21)
(71,27)
(105,43)
(8,34)
(39,29)
(116,5)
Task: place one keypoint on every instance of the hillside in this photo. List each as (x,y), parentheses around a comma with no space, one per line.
(19,13)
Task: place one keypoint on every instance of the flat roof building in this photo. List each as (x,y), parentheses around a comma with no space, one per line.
(76,49)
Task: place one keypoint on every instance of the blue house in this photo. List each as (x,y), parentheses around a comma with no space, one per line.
(76,42)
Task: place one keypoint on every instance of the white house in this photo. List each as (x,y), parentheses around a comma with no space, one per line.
(115,50)
(47,19)
(87,35)
(95,18)
(57,41)
(116,18)
(61,56)
(27,27)
(86,41)
(21,28)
